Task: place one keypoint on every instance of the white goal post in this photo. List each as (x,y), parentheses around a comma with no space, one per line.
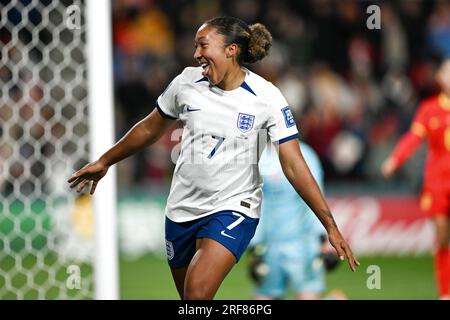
(56,115)
(101,119)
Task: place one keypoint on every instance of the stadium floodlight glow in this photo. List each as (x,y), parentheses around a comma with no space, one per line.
(99,56)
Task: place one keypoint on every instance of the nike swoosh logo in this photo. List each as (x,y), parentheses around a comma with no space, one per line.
(190,109)
(226,235)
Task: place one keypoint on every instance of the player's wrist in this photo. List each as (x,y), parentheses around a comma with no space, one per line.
(333,232)
(103,161)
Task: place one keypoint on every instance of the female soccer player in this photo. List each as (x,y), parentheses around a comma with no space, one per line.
(432,122)
(214,202)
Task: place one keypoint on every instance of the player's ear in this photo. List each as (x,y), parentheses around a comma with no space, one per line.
(231,50)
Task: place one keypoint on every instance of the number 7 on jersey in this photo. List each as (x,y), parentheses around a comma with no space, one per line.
(219,142)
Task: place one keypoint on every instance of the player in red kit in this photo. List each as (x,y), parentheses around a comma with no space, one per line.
(432,122)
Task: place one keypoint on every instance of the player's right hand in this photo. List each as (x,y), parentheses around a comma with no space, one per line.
(92,172)
(388,168)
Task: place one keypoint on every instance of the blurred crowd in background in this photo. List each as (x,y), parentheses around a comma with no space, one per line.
(43,98)
(353,90)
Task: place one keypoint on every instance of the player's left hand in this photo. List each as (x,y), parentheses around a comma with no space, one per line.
(257,267)
(342,248)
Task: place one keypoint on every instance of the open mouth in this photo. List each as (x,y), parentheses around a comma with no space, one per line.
(205,67)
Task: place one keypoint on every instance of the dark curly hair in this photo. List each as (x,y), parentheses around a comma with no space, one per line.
(254,41)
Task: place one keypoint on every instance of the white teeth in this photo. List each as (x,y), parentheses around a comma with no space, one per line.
(204,65)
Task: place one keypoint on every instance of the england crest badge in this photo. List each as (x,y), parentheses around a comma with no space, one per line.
(245,122)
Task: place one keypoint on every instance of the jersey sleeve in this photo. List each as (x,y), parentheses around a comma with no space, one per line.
(419,125)
(412,139)
(167,102)
(281,124)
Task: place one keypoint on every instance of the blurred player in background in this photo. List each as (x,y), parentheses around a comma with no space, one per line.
(289,250)
(432,123)
(214,202)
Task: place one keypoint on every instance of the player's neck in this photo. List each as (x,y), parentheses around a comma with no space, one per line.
(232,79)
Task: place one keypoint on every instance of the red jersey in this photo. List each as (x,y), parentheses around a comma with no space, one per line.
(431,122)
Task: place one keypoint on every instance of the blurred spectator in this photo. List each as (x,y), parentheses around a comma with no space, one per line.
(439,28)
(353,90)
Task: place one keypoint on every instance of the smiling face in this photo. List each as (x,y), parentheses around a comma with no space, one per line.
(213,54)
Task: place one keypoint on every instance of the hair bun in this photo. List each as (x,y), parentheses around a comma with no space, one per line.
(259,43)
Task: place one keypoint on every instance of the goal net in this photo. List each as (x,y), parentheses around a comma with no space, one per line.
(46,230)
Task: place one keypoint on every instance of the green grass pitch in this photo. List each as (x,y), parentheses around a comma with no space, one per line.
(149,278)
(402,278)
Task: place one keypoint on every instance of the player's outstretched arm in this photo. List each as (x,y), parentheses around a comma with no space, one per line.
(408,143)
(144,133)
(297,172)
(405,148)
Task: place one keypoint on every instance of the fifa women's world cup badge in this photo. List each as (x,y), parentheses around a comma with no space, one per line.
(288,117)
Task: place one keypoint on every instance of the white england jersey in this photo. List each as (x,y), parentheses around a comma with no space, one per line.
(224,135)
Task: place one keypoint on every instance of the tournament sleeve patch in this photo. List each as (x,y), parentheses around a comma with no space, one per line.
(288,117)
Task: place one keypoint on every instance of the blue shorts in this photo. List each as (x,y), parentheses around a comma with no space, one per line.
(232,229)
